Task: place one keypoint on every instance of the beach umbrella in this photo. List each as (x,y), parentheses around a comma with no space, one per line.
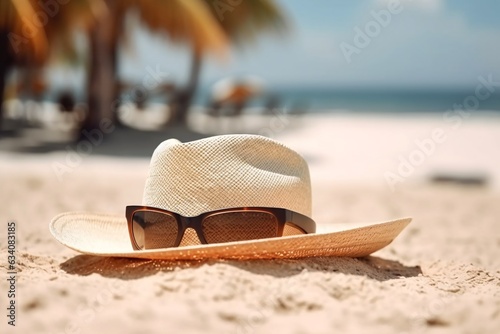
(237,90)
(234,93)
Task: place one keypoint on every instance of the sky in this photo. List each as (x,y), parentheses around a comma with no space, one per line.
(420,43)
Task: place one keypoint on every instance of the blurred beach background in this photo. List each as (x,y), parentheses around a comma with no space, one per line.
(189,70)
(395,105)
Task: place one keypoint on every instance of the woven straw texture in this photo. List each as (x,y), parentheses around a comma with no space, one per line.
(226,172)
(107,235)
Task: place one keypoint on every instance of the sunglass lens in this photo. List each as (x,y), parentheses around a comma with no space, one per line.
(154,229)
(239,225)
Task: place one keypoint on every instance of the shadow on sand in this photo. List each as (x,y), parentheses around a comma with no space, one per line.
(127,269)
(122,142)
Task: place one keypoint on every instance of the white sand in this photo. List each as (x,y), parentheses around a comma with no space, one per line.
(441,275)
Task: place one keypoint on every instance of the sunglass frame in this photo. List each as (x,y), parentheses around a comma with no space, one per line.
(283,217)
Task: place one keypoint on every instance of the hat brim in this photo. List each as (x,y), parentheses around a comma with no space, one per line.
(107,235)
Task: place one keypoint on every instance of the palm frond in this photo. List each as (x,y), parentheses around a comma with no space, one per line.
(245,20)
(28,41)
(183,22)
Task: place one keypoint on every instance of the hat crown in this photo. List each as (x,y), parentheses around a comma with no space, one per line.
(227,171)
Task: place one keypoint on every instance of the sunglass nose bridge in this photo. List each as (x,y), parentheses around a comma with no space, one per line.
(186,221)
(190,237)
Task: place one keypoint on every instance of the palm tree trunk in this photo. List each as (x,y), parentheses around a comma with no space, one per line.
(116,84)
(4,67)
(3,78)
(100,80)
(186,95)
(117,25)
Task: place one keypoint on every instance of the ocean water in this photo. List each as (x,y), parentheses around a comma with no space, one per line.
(374,100)
(319,100)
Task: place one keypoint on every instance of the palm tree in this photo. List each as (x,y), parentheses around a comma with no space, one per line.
(242,22)
(21,41)
(182,21)
(31,31)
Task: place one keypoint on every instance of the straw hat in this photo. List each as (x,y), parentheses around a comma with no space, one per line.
(217,173)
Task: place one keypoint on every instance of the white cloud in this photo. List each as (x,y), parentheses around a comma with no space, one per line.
(429,6)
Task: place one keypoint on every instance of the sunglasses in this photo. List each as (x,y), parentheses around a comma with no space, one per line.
(152,228)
